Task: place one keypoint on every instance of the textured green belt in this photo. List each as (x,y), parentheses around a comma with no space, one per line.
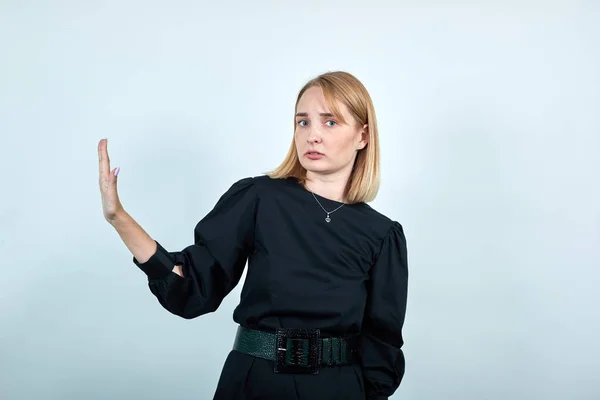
(296,350)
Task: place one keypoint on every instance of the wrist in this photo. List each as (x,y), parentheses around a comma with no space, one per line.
(119,219)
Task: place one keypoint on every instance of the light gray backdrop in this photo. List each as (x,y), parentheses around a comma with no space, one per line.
(489,115)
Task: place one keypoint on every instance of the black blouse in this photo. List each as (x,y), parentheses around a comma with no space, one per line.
(344,277)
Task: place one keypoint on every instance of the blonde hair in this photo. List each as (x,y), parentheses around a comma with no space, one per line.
(363,183)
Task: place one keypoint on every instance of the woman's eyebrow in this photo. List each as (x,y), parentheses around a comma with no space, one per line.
(303,114)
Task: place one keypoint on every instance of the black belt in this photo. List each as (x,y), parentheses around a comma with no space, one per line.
(297,350)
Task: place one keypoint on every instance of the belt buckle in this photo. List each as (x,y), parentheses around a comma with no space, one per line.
(297,351)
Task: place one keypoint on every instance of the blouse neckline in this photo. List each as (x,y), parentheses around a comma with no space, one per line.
(331,202)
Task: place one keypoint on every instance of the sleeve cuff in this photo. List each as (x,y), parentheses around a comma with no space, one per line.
(159,265)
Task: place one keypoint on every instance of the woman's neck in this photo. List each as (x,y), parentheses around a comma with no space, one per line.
(329,186)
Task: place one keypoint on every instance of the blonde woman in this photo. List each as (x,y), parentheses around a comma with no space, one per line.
(323,304)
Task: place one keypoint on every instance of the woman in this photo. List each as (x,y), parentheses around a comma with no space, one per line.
(323,303)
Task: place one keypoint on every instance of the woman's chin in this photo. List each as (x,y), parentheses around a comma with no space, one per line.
(316,167)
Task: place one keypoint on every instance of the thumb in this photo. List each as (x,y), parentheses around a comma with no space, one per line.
(114,174)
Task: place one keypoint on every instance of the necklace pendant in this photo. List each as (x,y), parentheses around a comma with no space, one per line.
(327,218)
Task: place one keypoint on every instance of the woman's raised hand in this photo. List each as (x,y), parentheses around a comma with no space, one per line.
(111,206)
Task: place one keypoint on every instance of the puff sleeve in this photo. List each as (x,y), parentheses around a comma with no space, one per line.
(382,357)
(213,265)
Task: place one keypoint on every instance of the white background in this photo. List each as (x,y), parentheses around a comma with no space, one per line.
(489,116)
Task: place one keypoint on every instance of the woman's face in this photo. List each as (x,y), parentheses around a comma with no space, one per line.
(324,144)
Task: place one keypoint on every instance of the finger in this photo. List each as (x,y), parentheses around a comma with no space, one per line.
(103,159)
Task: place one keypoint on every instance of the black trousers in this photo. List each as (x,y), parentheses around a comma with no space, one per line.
(246,377)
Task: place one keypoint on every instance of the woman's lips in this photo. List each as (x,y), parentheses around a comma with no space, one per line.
(314,155)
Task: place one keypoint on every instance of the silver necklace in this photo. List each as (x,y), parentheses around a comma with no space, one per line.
(327,218)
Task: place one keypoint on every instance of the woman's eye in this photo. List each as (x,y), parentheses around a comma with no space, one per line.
(302,123)
(332,122)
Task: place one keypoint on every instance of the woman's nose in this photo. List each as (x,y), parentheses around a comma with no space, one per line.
(313,136)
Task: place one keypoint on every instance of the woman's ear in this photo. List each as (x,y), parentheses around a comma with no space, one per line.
(364,137)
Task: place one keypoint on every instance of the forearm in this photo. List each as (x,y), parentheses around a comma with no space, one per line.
(139,243)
